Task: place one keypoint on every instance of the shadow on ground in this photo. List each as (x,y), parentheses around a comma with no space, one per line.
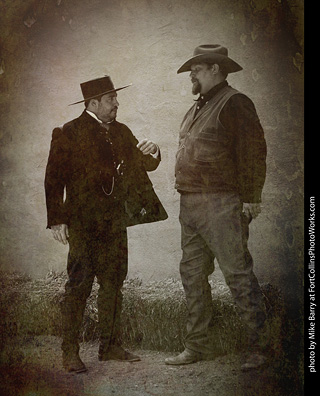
(37,371)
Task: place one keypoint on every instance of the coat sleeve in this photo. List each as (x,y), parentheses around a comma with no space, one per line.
(142,204)
(148,162)
(56,178)
(240,117)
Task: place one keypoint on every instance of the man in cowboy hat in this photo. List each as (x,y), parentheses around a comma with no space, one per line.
(101,167)
(220,172)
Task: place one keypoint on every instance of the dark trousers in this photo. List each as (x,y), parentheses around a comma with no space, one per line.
(213,226)
(99,252)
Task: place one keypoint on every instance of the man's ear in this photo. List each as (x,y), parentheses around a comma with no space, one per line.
(215,68)
(93,104)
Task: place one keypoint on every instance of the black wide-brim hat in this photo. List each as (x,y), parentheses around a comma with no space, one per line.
(94,88)
(211,53)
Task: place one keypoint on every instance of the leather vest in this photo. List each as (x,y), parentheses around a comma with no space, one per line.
(204,161)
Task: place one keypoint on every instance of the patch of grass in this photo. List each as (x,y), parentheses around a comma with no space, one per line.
(153,317)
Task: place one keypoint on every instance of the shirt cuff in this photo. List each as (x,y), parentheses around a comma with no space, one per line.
(156,154)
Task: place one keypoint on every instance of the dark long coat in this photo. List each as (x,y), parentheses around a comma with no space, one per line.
(94,176)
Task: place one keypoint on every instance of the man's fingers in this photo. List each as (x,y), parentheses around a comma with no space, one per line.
(146,146)
(257,211)
(246,212)
(141,142)
(60,233)
(251,209)
(254,214)
(55,236)
(58,237)
(64,239)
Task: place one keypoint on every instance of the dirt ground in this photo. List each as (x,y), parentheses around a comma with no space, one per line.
(40,373)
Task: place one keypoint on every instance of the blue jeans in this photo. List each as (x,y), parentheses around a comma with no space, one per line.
(213,226)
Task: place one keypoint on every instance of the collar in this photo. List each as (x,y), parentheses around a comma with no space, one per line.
(94,116)
(207,96)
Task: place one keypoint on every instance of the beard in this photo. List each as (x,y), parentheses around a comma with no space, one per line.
(196,87)
(112,115)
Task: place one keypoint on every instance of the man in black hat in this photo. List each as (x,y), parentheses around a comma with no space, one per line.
(220,172)
(101,168)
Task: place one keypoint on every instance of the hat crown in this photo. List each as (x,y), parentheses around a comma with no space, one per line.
(96,87)
(211,53)
(208,49)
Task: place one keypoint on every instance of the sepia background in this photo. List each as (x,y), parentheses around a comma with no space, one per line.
(48,47)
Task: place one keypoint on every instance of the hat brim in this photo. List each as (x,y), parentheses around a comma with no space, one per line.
(227,63)
(103,93)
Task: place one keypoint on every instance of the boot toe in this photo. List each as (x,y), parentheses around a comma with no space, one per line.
(119,354)
(186,357)
(254,361)
(73,363)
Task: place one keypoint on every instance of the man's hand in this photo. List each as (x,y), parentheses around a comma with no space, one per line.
(60,233)
(147,147)
(251,209)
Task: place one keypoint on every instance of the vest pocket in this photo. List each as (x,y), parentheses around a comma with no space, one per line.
(208,147)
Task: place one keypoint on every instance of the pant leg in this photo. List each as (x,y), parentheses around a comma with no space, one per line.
(77,290)
(196,265)
(111,271)
(227,234)
(219,228)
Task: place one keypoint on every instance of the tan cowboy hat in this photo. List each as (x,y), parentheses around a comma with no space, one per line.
(98,87)
(211,53)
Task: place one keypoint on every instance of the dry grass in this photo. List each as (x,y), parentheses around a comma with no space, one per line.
(154,314)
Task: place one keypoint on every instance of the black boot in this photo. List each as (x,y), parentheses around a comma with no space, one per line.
(116,352)
(72,363)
